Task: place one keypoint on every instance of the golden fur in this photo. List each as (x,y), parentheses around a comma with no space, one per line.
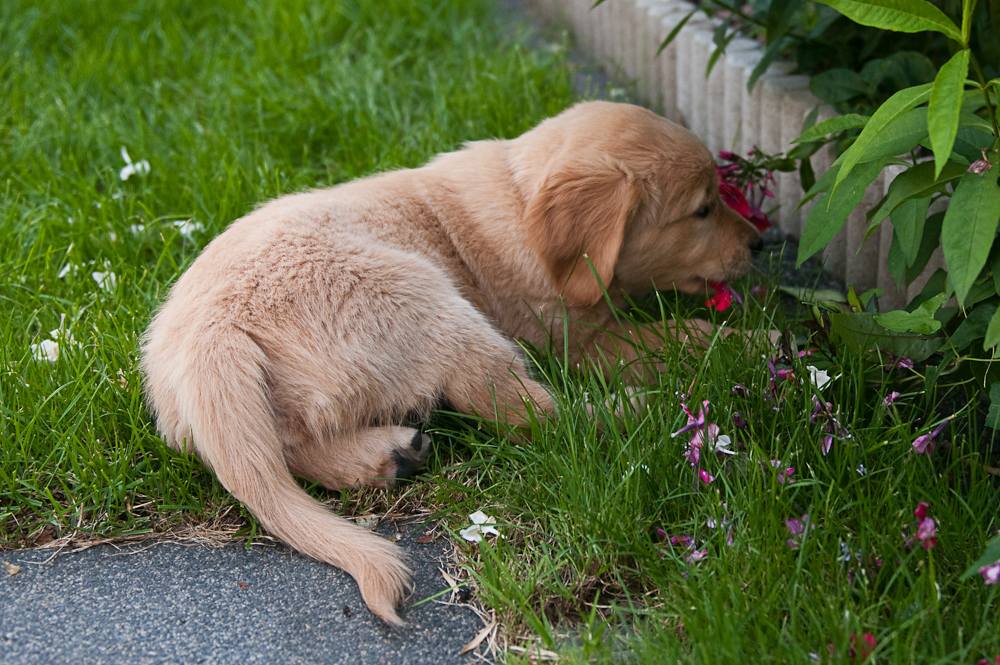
(303,336)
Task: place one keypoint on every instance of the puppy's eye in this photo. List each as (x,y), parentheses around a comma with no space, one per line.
(703,211)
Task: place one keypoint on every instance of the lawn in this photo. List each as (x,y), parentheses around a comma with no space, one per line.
(612,537)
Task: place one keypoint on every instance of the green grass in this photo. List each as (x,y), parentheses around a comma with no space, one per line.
(233,103)
(580,508)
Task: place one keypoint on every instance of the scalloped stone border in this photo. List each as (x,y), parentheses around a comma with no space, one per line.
(623,37)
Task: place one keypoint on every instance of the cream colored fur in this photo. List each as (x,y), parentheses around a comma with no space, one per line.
(308,334)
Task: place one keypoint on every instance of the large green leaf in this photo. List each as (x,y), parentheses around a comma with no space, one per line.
(920,320)
(908,224)
(829,213)
(840,85)
(898,15)
(874,134)
(861,331)
(992,337)
(974,327)
(970,224)
(945,106)
(836,124)
(992,553)
(916,182)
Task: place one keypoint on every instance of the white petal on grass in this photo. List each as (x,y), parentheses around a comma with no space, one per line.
(105,279)
(722,444)
(67,269)
(188,227)
(45,350)
(819,377)
(482,525)
(139,168)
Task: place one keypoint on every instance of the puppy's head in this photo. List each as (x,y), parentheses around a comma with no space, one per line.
(632,194)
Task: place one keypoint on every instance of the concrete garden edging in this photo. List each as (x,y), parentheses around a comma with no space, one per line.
(623,37)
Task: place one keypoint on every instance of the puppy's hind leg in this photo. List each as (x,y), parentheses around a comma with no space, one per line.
(373,456)
(494,383)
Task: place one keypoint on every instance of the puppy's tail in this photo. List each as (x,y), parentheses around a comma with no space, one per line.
(234,432)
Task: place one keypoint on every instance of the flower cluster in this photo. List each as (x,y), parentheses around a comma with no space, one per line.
(743,186)
(706,434)
(926,528)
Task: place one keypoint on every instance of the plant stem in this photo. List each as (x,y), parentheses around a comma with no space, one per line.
(984,86)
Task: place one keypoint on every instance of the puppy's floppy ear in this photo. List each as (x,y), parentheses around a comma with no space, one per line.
(579,214)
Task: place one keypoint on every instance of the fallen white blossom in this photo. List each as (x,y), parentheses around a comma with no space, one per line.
(482,525)
(139,168)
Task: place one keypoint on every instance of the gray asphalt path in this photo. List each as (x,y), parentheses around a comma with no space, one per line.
(170,603)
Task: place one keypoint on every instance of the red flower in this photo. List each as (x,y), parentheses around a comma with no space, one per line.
(861,647)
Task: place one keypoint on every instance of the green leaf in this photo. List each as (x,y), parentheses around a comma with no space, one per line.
(840,85)
(974,327)
(896,260)
(872,135)
(862,332)
(908,223)
(837,124)
(920,321)
(829,213)
(898,15)
(916,182)
(992,552)
(945,106)
(970,224)
(677,28)
(771,53)
(900,136)
(992,337)
(721,40)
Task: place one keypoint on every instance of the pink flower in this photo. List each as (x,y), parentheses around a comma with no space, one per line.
(891,398)
(693,423)
(991,575)
(706,477)
(732,195)
(723,298)
(926,533)
(926,527)
(783,474)
(863,647)
(798,528)
(925,444)
(898,362)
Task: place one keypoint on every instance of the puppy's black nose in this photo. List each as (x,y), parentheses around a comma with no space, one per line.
(757,245)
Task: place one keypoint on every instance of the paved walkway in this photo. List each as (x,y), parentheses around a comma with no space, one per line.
(169,603)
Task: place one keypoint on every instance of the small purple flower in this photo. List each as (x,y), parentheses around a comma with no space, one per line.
(693,423)
(898,362)
(925,444)
(798,528)
(927,533)
(738,420)
(783,474)
(696,556)
(706,477)
(740,391)
(827,444)
(926,527)
(991,574)
(891,398)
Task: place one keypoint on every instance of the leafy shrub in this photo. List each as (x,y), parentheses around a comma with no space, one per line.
(949,131)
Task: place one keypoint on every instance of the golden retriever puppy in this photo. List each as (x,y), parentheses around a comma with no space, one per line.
(305,337)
